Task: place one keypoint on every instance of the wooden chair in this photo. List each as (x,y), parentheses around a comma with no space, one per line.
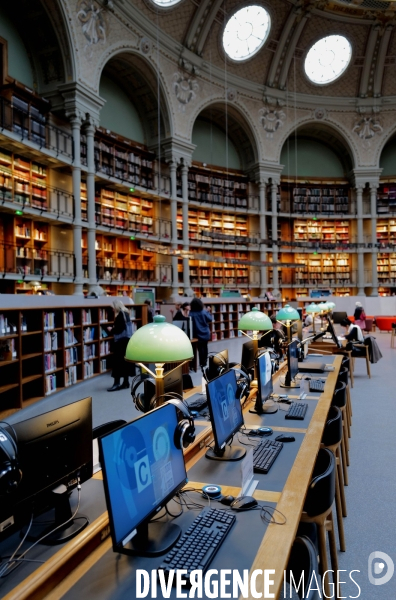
(361,351)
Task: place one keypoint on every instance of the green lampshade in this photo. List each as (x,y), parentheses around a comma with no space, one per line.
(312,308)
(288,313)
(255,320)
(159,342)
(331,305)
(323,306)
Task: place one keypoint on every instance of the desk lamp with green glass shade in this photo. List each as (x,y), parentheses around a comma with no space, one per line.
(286,316)
(158,342)
(255,321)
(312,309)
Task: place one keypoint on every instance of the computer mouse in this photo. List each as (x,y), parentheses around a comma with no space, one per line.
(244,503)
(285,438)
(227,500)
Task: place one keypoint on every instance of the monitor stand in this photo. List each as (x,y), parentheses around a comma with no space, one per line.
(152,539)
(288,383)
(269,407)
(231,453)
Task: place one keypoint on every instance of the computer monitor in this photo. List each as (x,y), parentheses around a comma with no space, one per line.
(331,330)
(248,356)
(265,385)
(217,364)
(339,317)
(173,381)
(54,455)
(185,325)
(226,416)
(292,366)
(142,470)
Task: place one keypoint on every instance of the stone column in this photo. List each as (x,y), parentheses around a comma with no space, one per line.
(186,240)
(263,235)
(75,122)
(275,255)
(90,132)
(360,240)
(374,252)
(173,203)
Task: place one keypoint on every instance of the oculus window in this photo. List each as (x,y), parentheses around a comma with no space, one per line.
(166,3)
(246,32)
(328,59)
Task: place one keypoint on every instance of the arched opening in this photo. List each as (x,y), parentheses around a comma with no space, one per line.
(388,158)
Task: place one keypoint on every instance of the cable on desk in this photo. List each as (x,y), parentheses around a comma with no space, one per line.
(21,558)
(269,517)
(8,563)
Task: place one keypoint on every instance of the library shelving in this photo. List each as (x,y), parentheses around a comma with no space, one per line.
(386,268)
(25,243)
(123,159)
(220,274)
(386,231)
(210,185)
(120,259)
(324,269)
(386,198)
(321,231)
(200,221)
(315,197)
(124,211)
(44,350)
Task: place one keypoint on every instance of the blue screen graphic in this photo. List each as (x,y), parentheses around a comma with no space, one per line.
(265,377)
(225,407)
(142,468)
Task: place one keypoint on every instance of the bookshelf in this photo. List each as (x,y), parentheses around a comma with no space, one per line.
(386,198)
(321,231)
(315,198)
(123,211)
(386,268)
(25,243)
(323,269)
(210,185)
(23,181)
(123,159)
(216,222)
(386,231)
(204,273)
(42,351)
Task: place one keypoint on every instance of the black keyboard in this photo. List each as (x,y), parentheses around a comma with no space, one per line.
(197,547)
(316,385)
(297,411)
(264,455)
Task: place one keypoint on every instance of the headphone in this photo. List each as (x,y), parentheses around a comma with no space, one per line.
(10,473)
(222,360)
(243,384)
(143,400)
(185,430)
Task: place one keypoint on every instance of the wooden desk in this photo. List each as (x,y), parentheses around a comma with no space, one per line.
(65,569)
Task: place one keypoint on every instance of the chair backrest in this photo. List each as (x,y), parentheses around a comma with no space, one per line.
(345,362)
(343,375)
(303,559)
(369,324)
(107,428)
(332,433)
(321,490)
(339,396)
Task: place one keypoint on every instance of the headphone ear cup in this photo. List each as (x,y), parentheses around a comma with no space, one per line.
(185,430)
(141,400)
(10,474)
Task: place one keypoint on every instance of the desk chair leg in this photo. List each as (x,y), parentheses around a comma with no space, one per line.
(368,366)
(341,481)
(344,462)
(323,558)
(340,523)
(333,553)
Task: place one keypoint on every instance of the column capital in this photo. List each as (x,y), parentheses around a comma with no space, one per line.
(177,150)
(79,100)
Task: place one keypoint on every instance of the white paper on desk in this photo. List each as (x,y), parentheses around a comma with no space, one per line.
(248,485)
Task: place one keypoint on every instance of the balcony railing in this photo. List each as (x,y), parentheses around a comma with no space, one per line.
(23,261)
(33,126)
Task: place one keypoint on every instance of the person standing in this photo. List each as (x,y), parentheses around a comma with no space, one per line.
(201,318)
(122,331)
(183,313)
(150,311)
(359,315)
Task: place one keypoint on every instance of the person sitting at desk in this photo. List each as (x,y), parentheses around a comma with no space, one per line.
(354,334)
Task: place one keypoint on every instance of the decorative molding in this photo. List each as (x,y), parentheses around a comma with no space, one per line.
(271,120)
(185,89)
(93,24)
(146,45)
(366,127)
(231,94)
(320,113)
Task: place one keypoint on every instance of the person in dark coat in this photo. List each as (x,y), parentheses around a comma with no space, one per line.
(183,313)
(201,318)
(122,331)
(150,311)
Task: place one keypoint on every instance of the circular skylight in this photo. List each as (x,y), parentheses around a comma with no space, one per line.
(166,3)
(328,59)
(246,32)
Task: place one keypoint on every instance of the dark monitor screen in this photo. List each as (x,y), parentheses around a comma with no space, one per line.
(264,373)
(173,381)
(331,330)
(292,359)
(54,448)
(224,407)
(339,317)
(143,469)
(248,357)
(218,363)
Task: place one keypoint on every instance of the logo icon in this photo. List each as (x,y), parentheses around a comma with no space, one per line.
(142,472)
(376,566)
